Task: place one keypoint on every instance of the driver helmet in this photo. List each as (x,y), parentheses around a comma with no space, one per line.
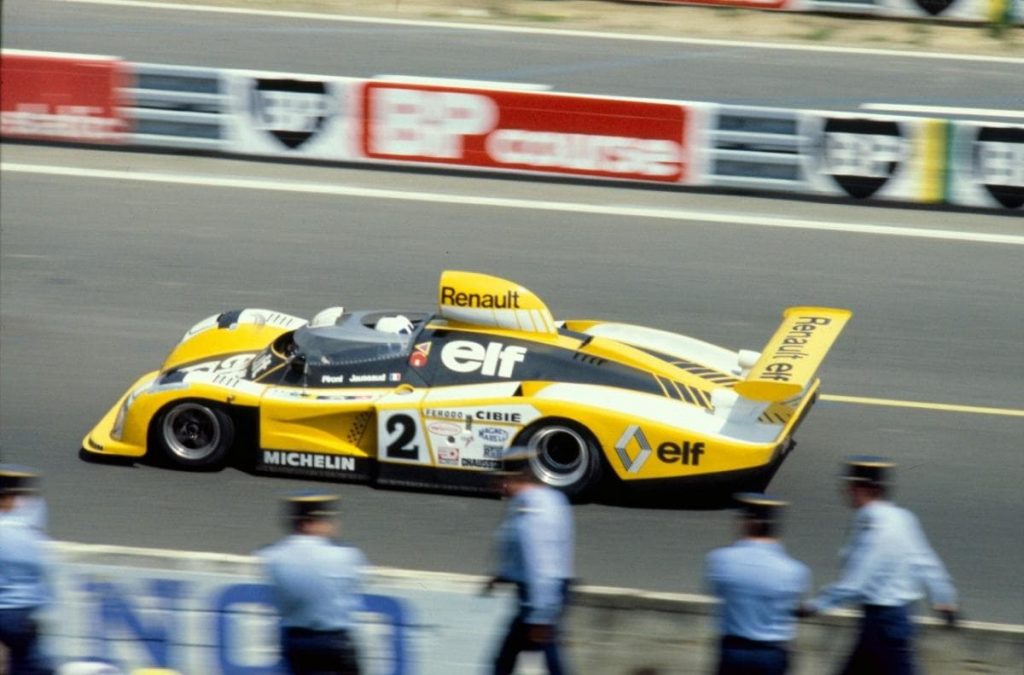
(398,325)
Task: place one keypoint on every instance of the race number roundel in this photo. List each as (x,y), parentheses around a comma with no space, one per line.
(861,155)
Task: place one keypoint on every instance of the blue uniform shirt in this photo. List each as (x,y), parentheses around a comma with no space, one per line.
(535,545)
(316,583)
(759,586)
(24,564)
(887,562)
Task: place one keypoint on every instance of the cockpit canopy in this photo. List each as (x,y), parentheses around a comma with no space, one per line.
(354,337)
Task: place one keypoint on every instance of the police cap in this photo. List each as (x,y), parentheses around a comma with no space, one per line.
(868,470)
(311,506)
(17,479)
(759,506)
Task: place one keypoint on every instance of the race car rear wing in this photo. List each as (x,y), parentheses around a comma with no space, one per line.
(791,358)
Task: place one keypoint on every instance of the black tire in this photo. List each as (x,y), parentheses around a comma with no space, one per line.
(563,455)
(193,435)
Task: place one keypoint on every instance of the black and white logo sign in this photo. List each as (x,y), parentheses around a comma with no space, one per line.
(292,111)
(997,158)
(935,7)
(861,155)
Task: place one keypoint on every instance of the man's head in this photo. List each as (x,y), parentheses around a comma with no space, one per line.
(760,515)
(312,513)
(866,478)
(15,481)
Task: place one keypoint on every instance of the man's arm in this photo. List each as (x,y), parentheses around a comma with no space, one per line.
(860,565)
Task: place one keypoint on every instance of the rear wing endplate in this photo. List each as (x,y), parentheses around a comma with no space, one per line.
(792,357)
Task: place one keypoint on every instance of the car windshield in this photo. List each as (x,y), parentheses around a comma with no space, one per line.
(351,340)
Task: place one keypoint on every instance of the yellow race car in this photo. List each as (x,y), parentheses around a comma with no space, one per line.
(440,399)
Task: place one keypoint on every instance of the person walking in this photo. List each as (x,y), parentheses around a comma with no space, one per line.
(535,552)
(886,565)
(25,570)
(759,586)
(316,588)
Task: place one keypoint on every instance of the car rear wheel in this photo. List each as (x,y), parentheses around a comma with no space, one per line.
(194,435)
(563,455)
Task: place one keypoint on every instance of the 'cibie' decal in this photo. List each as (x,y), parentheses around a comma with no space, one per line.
(463,356)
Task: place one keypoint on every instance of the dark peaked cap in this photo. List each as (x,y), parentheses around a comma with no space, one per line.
(17,479)
(868,470)
(758,506)
(311,505)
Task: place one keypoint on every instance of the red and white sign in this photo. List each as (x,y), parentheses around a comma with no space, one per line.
(61,96)
(751,4)
(525,131)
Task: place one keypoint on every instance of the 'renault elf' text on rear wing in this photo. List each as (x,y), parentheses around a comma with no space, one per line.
(792,357)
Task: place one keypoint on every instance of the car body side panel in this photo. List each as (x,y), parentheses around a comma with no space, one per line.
(320,421)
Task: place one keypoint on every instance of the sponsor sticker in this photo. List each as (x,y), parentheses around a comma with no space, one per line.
(332,379)
(448,456)
(309,460)
(444,428)
(475,463)
(495,359)
(420,355)
(492,434)
(493,451)
(236,362)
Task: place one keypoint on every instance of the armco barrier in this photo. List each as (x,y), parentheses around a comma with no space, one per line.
(209,614)
(522,129)
(991,11)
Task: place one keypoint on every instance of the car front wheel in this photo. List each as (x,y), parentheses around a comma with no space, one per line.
(194,435)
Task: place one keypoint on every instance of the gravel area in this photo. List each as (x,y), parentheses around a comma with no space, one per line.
(677,21)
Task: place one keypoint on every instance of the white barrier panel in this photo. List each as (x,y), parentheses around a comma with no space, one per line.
(518,129)
(208,614)
(212,615)
(286,115)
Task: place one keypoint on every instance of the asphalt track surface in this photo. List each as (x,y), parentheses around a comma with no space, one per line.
(738,74)
(100,276)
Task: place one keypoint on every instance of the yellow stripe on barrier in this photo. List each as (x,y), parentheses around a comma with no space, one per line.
(932,160)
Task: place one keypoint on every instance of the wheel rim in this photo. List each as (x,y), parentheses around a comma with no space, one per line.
(191,431)
(558,456)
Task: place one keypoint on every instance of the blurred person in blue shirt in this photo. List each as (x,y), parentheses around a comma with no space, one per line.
(24,574)
(317,586)
(760,587)
(535,552)
(887,564)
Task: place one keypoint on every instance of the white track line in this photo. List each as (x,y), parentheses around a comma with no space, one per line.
(559,32)
(942,110)
(679,215)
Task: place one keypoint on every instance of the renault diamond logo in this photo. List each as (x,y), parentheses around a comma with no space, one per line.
(633,464)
